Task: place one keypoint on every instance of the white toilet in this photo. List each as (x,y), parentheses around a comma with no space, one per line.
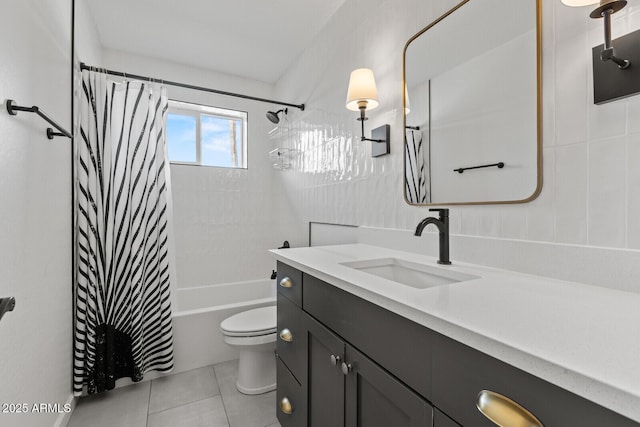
(253,332)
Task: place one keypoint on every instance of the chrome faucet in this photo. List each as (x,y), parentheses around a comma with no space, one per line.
(443,227)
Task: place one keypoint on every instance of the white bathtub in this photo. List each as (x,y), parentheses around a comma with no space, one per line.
(197,340)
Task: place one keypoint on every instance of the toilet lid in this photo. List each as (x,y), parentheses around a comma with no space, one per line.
(259,321)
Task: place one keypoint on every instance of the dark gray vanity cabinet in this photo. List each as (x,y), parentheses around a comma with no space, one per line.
(402,347)
(324,378)
(460,373)
(349,362)
(346,388)
(441,420)
(291,398)
(373,397)
(291,340)
(289,283)
(291,349)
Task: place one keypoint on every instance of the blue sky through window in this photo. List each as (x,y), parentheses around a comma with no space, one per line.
(216,141)
(181,137)
(214,135)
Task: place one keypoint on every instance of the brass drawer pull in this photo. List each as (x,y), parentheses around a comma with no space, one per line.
(286,282)
(285,406)
(286,335)
(504,412)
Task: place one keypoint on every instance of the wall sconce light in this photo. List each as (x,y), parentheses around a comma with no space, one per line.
(362,95)
(610,82)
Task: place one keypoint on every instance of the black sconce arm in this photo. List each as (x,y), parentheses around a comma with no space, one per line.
(605,11)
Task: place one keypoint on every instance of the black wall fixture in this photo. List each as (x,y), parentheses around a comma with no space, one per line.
(7,304)
(616,64)
(499,165)
(13,109)
(610,82)
(380,138)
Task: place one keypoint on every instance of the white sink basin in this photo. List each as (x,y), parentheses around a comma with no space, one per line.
(409,273)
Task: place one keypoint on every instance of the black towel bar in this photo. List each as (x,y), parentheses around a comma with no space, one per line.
(500,165)
(13,109)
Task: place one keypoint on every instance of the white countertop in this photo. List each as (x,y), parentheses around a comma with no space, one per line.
(583,338)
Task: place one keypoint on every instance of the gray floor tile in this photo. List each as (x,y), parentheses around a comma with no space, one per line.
(203,413)
(186,387)
(122,407)
(274,425)
(243,410)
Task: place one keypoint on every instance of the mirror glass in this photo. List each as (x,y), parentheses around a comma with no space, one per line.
(472,98)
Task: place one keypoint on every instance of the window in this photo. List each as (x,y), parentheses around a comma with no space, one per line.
(207,136)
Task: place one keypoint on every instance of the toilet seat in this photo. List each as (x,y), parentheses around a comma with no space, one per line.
(251,323)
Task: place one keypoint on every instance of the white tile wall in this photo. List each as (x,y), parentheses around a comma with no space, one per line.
(35,220)
(571,100)
(607,188)
(571,194)
(633,197)
(589,195)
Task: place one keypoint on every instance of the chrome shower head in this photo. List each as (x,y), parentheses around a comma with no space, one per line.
(274,117)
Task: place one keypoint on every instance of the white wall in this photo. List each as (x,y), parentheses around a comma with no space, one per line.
(591,153)
(35,218)
(483,114)
(88,47)
(224,219)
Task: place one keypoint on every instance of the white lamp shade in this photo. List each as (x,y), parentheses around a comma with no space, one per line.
(362,87)
(577,3)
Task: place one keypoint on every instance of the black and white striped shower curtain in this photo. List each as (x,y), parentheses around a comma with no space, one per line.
(122,310)
(416,168)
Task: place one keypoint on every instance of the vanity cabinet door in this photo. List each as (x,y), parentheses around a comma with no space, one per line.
(375,398)
(403,347)
(325,381)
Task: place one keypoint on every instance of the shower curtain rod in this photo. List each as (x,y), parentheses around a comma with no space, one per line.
(83,66)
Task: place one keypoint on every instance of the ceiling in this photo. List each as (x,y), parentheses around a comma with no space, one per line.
(256,39)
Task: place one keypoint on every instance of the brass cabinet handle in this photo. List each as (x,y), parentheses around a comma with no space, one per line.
(286,335)
(504,412)
(285,406)
(335,359)
(286,282)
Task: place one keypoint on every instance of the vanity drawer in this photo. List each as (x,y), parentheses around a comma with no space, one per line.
(460,373)
(291,339)
(289,283)
(291,400)
(400,345)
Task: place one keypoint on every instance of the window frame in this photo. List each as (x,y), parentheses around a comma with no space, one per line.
(196,110)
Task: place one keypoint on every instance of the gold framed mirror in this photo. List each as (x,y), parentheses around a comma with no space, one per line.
(472,105)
